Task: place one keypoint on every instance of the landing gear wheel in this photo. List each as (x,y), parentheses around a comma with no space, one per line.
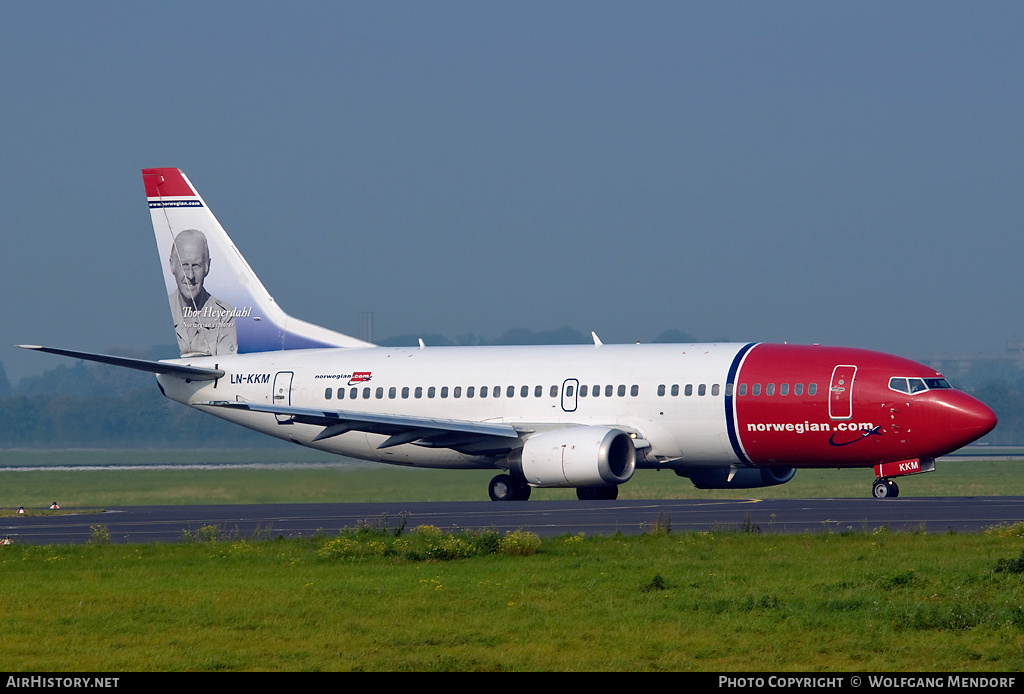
(508,488)
(610,493)
(885,489)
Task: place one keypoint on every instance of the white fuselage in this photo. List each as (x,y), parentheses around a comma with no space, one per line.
(535,387)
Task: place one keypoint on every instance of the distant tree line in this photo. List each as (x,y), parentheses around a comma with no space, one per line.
(88,405)
(1000,385)
(83,404)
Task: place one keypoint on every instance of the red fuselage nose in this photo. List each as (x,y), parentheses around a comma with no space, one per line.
(822,407)
(951,419)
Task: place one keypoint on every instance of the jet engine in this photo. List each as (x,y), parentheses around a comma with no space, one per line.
(575,457)
(737,478)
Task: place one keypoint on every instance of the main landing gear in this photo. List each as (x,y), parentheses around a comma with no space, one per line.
(609,493)
(885,489)
(509,488)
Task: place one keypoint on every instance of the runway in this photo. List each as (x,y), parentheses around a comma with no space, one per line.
(546,518)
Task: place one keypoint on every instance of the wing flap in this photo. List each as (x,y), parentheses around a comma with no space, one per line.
(399,429)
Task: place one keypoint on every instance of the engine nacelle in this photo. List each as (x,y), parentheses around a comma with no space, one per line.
(737,478)
(575,457)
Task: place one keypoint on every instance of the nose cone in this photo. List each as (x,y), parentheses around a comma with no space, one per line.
(970,419)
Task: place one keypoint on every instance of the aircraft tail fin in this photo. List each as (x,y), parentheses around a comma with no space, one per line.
(218,304)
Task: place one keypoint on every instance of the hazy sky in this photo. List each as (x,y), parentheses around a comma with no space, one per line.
(843,173)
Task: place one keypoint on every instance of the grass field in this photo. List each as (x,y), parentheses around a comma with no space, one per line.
(332,479)
(727,601)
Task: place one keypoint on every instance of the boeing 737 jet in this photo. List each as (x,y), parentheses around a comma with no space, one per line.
(724,415)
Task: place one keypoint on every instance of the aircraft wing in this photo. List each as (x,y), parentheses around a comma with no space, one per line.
(461,435)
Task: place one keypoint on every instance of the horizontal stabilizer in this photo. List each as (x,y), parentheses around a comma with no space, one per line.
(194,373)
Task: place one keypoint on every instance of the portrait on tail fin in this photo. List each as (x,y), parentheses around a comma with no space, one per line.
(203,324)
(228,311)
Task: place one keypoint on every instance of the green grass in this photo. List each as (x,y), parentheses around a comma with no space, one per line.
(726,601)
(342,480)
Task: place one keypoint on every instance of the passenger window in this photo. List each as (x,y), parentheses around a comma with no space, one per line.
(554,391)
(470,391)
(743,389)
(784,389)
(538,391)
(341,393)
(622,391)
(483,391)
(380,392)
(328,393)
(510,392)
(392,392)
(714,390)
(688,390)
(431,391)
(702,390)
(457,391)
(418,392)
(756,390)
(634,390)
(568,391)
(444,391)
(661,391)
(353,394)
(583,391)
(496,391)
(608,391)
(770,389)
(675,390)
(798,389)
(366,393)
(524,392)
(812,388)
(405,392)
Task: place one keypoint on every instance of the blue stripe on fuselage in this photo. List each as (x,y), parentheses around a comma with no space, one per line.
(730,393)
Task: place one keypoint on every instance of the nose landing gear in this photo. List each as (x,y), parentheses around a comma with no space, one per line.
(885,489)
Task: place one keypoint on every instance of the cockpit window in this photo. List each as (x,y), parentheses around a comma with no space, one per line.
(899,384)
(917,385)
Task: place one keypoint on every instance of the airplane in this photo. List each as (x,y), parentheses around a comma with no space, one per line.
(725,415)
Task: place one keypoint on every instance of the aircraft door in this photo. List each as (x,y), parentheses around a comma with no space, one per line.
(840,392)
(283,393)
(570,388)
